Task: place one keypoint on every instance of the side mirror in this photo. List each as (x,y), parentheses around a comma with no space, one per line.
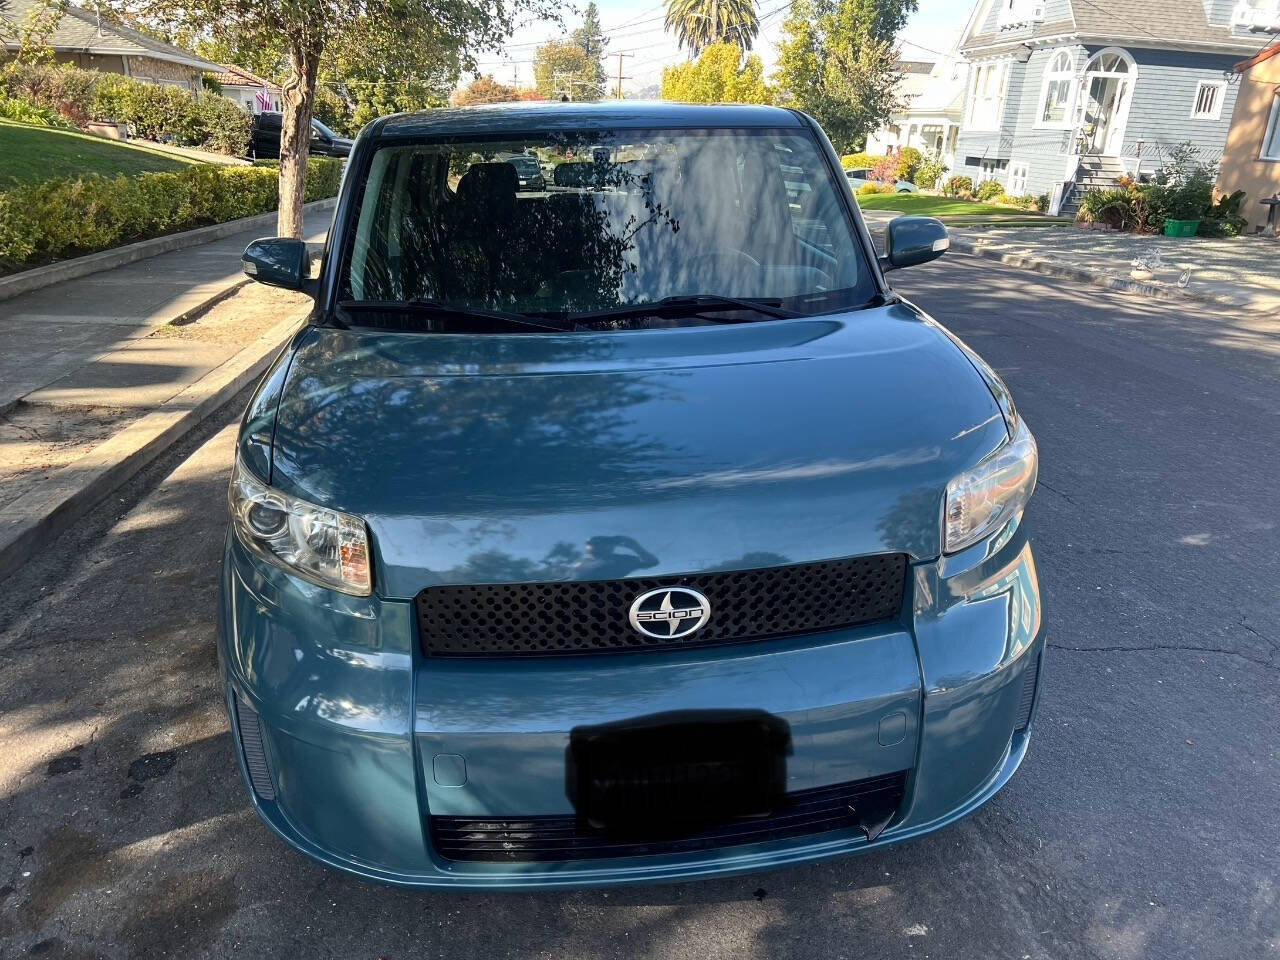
(909,241)
(278,262)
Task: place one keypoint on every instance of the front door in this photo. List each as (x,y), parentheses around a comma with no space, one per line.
(1104,114)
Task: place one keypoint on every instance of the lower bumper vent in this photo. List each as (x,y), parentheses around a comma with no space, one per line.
(1028,699)
(868,805)
(255,757)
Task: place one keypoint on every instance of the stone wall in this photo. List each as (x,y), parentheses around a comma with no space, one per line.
(163,71)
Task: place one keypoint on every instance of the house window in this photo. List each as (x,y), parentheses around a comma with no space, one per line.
(987,103)
(1016,185)
(1019,13)
(1271,140)
(1055,97)
(1209,96)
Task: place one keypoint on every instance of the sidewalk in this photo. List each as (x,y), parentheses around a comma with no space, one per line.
(50,333)
(101,374)
(1233,271)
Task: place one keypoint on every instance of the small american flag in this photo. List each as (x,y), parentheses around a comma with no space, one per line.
(264,99)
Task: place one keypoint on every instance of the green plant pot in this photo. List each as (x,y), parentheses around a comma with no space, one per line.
(1180,228)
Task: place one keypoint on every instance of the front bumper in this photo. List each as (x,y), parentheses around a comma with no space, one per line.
(364,739)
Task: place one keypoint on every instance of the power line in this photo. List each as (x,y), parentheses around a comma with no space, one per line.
(611,34)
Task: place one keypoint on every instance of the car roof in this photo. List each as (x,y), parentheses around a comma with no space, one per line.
(609,114)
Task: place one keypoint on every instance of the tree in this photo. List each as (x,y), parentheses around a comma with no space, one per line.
(700,23)
(838,62)
(31,33)
(718,76)
(485,90)
(563,68)
(590,37)
(400,38)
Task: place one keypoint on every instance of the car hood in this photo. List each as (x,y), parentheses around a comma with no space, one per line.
(602,455)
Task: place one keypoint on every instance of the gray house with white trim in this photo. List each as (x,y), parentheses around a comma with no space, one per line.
(1077,92)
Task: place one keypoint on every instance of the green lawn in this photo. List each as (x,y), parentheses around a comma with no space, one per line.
(30,154)
(924,206)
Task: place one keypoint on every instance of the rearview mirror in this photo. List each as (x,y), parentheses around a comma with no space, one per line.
(909,241)
(279,262)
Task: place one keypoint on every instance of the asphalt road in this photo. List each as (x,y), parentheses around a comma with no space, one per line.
(1143,823)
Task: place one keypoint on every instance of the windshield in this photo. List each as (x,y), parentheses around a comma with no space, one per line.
(621,220)
(317,125)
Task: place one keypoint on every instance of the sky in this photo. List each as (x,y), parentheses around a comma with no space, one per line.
(635,28)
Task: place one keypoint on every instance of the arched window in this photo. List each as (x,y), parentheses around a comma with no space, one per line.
(1108,63)
(1055,95)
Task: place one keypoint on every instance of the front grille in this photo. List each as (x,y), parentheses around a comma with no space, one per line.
(566,617)
(807,812)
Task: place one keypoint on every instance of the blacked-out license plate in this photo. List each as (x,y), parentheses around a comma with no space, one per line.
(673,774)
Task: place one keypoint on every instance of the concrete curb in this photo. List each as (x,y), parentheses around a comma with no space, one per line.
(36,518)
(28,280)
(961,245)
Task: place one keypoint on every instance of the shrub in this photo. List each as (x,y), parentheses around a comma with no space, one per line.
(1193,196)
(163,113)
(857,161)
(23,112)
(908,163)
(957,185)
(989,190)
(1140,208)
(1223,218)
(929,173)
(869,188)
(63,90)
(68,217)
(1042,202)
(885,171)
(1024,202)
(156,111)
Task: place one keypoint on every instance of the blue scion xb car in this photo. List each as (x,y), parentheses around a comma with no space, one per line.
(631,529)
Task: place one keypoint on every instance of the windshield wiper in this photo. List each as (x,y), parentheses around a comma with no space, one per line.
(689,305)
(477,321)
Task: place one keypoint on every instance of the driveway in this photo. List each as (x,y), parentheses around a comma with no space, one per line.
(1143,823)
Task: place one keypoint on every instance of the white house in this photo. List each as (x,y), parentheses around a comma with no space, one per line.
(249,90)
(930,121)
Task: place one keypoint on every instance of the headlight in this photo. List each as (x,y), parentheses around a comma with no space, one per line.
(982,500)
(324,546)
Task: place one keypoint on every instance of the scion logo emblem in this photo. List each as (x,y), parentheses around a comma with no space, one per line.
(670,612)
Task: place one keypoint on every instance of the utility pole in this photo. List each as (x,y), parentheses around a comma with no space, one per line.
(620,76)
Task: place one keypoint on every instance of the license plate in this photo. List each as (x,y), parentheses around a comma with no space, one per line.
(673,774)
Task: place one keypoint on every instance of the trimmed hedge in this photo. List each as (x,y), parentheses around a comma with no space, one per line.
(70,217)
(857,161)
(156,111)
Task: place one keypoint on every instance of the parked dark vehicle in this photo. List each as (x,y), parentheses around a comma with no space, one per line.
(528,172)
(264,143)
(632,530)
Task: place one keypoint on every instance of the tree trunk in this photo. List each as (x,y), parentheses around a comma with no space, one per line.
(299,96)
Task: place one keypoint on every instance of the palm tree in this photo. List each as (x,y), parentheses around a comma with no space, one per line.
(700,23)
